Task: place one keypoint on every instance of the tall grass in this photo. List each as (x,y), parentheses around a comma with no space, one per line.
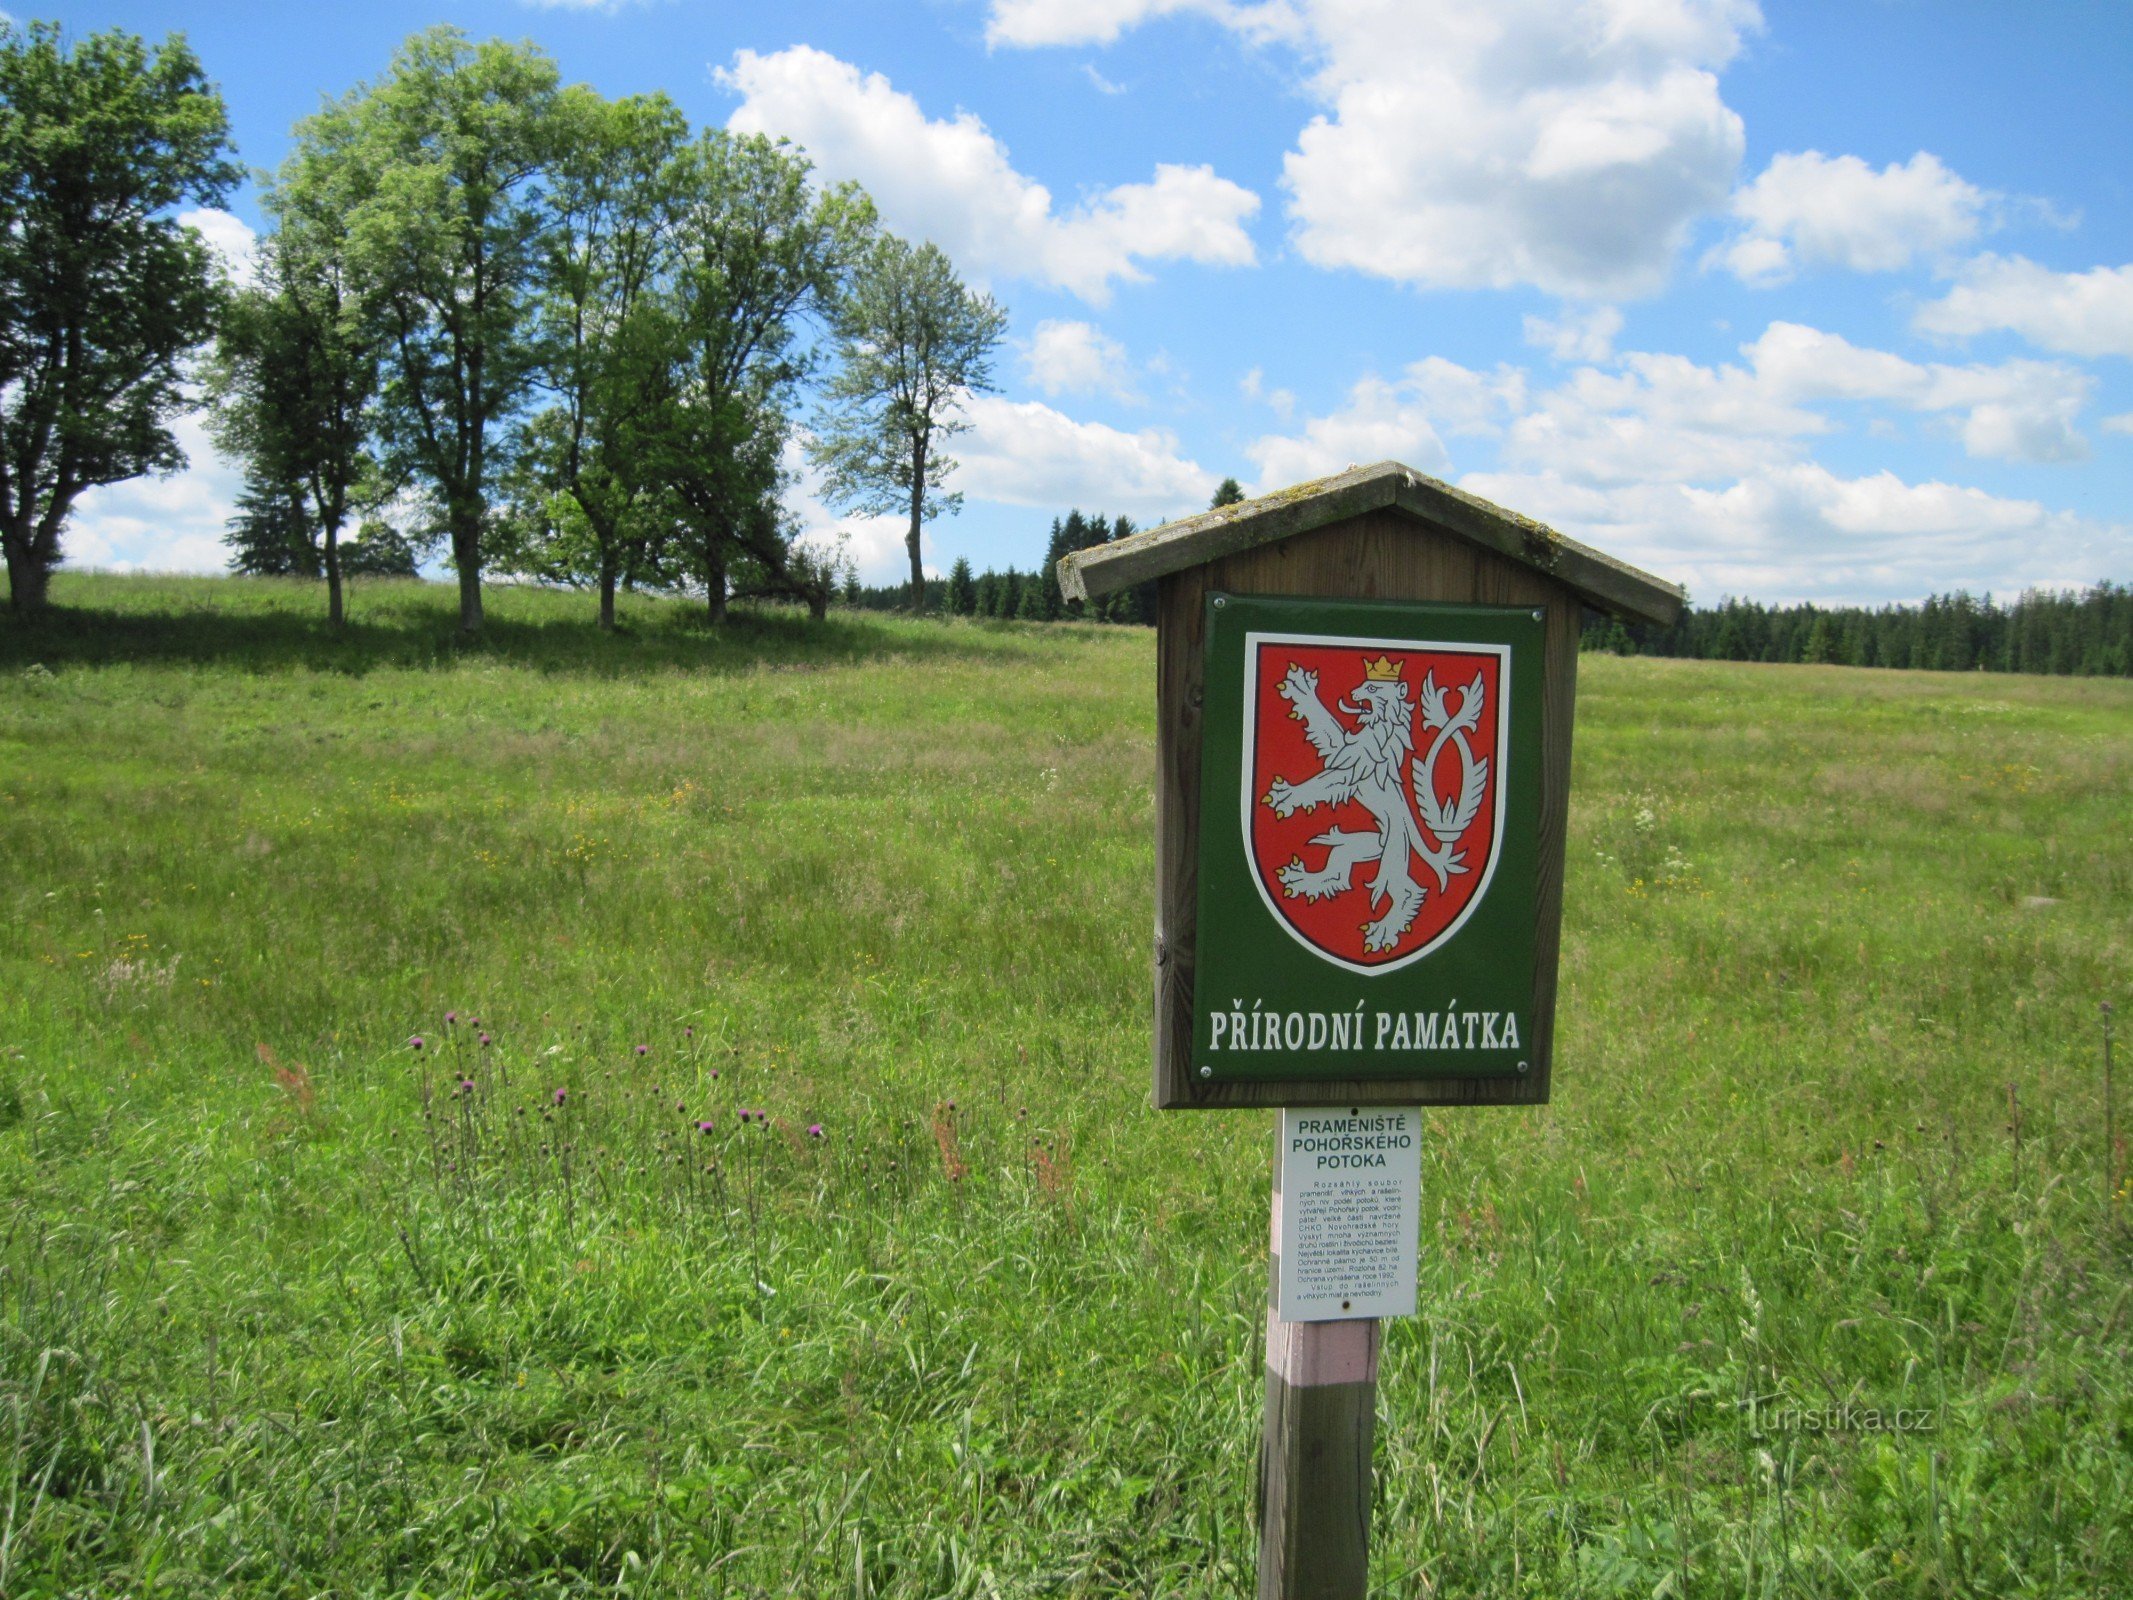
(291,1306)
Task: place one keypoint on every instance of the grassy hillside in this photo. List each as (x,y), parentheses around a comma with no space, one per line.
(290,1305)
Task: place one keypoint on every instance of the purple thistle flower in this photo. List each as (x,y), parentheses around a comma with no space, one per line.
(814,1130)
(451,1016)
(644,1049)
(415,1042)
(688,1033)
(561,1095)
(703,1127)
(714,1074)
(485,1041)
(746,1113)
(466,1085)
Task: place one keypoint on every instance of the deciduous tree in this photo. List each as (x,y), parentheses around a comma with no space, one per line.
(913,344)
(379,550)
(440,170)
(605,341)
(759,251)
(295,373)
(103,293)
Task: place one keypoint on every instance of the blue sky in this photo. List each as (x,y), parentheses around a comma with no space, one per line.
(1792,301)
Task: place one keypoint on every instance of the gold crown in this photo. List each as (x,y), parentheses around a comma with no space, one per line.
(1382,670)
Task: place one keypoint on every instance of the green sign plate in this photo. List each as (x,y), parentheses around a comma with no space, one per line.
(1369,839)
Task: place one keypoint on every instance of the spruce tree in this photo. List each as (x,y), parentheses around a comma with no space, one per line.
(1821,646)
(1137,604)
(270,537)
(962,592)
(1227,493)
(1029,603)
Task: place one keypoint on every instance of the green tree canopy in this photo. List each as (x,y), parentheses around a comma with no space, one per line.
(103,294)
(379,550)
(440,170)
(759,250)
(295,374)
(585,494)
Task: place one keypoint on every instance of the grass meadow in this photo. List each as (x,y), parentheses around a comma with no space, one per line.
(1810,1283)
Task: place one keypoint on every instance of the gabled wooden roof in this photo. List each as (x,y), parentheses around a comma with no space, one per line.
(1597,578)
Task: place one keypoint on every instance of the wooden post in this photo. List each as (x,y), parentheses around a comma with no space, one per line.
(1314,1460)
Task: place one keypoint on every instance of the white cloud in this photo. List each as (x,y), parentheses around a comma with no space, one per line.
(1518,143)
(2121,423)
(1838,211)
(1024,453)
(1282,402)
(951,182)
(1402,419)
(1800,531)
(2081,313)
(1704,473)
(1659,418)
(1377,423)
(172,524)
(1576,335)
(2012,411)
(1470,146)
(1067,357)
(1665,418)
(1053,22)
(232,239)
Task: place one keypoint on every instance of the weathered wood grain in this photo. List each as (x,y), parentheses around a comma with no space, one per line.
(1380,555)
(1315,1475)
(1595,577)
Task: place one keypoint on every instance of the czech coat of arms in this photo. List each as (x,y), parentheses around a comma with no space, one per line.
(1373,789)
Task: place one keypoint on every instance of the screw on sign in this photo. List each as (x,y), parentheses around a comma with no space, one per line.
(1364,692)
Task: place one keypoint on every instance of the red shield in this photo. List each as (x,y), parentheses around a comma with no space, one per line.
(1373,788)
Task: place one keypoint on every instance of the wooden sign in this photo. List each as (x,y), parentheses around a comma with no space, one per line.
(1364,690)
(1440,591)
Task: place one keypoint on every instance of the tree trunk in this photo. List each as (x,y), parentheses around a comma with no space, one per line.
(714,579)
(334,614)
(918,522)
(607,593)
(28,579)
(466,556)
(818,602)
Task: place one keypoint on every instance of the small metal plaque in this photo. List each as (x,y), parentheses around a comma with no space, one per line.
(1349,1210)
